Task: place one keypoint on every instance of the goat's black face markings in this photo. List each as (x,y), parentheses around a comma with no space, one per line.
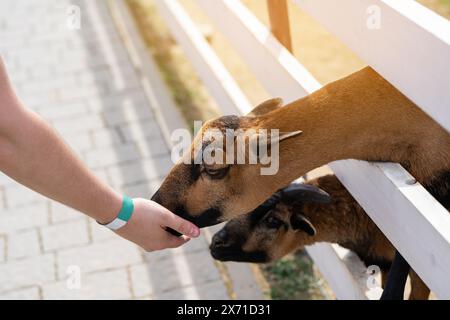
(195,172)
(230,122)
(256,215)
(217,174)
(207,218)
(272,222)
(240,256)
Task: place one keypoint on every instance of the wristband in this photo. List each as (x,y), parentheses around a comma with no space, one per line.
(123,216)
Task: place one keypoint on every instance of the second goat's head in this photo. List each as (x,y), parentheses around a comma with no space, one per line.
(274,229)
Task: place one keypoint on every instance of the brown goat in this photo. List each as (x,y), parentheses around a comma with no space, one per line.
(361,116)
(300,215)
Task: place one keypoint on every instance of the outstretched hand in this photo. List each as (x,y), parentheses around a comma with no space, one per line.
(147,227)
(30,164)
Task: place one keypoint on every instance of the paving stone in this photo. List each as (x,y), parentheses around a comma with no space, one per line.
(85,85)
(122,100)
(102,174)
(79,142)
(109,156)
(60,212)
(140,280)
(27,272)
(109,254)
(154,148)
(23,244)
(194,245)
(142,271)
(61,111)
(214,290)
(34,101)
(65,234)
(2,248)
(190,268)
(80,124)
(99,232)
(51,85)
(106,137)
(141,190)
(25,217)
(18,195)
(139,171)
(2,198)
(100,285)
(128,114)
(5,180)
(140,131)
(31,293)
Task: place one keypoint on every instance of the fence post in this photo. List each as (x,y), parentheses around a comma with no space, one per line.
(279,22)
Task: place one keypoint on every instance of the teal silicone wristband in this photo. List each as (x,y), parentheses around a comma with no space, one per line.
(127,209)
(124,215)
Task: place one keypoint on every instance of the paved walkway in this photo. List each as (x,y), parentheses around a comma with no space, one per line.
(83,83)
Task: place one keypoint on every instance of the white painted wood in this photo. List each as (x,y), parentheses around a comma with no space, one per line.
(339,277)
(411,48)
(208,66)
(408,215)
(261,50)
(364,276)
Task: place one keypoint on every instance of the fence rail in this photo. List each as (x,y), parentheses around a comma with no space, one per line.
(409,216)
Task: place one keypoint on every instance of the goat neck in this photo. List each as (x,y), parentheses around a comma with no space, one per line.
(359,117)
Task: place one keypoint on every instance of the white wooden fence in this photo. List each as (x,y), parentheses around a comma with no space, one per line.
(411,49)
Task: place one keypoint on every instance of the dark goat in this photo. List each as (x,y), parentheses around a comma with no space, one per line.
(302,214)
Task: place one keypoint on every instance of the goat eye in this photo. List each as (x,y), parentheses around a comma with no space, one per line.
(217,173)
(273,222)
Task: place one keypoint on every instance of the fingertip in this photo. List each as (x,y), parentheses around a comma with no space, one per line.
(183,226)
(174,242)
(194,231)
(185,238)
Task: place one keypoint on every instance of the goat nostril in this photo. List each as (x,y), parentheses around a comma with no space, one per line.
(219,243)
(220,239)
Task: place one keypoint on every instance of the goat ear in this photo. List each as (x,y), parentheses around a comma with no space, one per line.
(266,107)
(305,192)
(286,135)
(281,136)
(300,222)
(255,140)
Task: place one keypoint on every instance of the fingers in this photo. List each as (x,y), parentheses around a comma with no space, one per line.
(174,242)
(182,226)
(177,223)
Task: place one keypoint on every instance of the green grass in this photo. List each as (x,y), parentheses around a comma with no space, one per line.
(442,7)
(293,278)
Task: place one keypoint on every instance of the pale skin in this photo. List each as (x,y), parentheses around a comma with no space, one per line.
(34,155)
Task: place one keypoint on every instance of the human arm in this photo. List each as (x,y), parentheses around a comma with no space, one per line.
(34,155)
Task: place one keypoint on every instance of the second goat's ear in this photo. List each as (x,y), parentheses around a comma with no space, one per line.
(300,222)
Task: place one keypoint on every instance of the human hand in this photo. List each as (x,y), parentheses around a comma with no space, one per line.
(147,225)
